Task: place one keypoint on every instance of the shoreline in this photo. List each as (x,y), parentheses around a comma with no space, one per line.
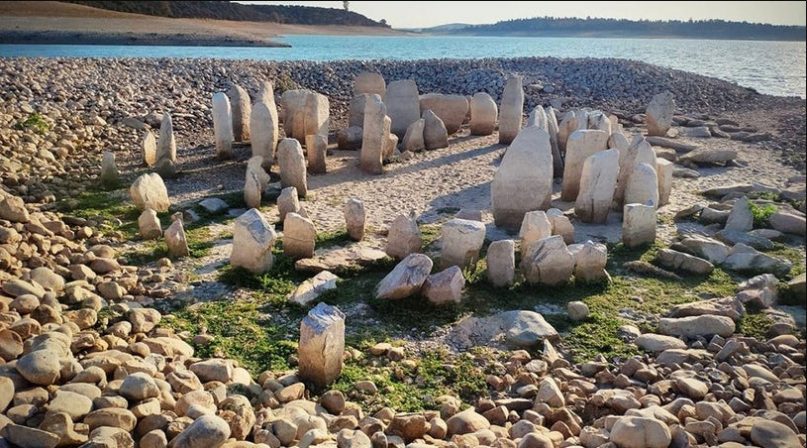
(123,39)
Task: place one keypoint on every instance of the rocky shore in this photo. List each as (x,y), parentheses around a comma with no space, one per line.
(111,38)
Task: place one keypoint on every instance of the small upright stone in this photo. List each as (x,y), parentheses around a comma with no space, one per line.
(561,225)
(740,218)
(642,185)
(664,172)
(553,129)
(148,147)
(375,135)
(253,239)
(434,131)
(148,191)
(109,170)
(461,241)
(264,130)
(535,227)
(638,225)
(550,262)
(597,184)
(580,146)
(590,259)
(299,236)
(403,237)
(316,146)
(403,105)
(451,109)
(501,262)
(484,113)
(322,345)
(660,112)
(511,110)
(637,152)
(166,149)
(176,240)
(241,108)
(291,161)
(444,287)
(222,125)
(288,202)
(354,218)
(413,140)
(149,225)
(317,116)
(252,189)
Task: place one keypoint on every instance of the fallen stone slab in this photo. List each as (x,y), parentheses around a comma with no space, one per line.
(694,326)
(311,289)
(341,259)
(680,147)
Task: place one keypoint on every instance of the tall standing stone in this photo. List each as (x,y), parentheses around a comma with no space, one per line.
(299,236)
(241,108)
(568,124)
(461,241)
(511,110)
(322,345)
(642,185)
(253,239)
(256,164)
(549,262)
(501,262)
(291,161)
(535,227)
(403,105)
(639,151)
(166,149)
(580,146)
(435,135)
(451,109)
(552,128)
(175,239)
(659,114)
(413,140)
(664,171)
(109,170)
(288,202)
(149,148)
(523,181)
(403,237)
(484,113)
(597,184)
(293,102)
(638,225)
(264,130)
(148,191)
(317,115)
(374,136)
(222,125)
(537,117)
(316,147)
(148,224)
(356,109)
(354,218)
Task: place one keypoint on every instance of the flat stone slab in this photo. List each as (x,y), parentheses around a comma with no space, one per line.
(339,259)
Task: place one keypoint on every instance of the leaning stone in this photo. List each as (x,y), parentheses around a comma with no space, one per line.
(288,202)
(316,148)
(403,237)
(434,131)
(461,241)
(659,114)
(376,131)
(740,218)
(642,186)
(213,206)
(538,118)
(223,126)
(299,236)
(149,225)
(501,263)
(255,165)
(252,189)
(681,262)
(511,110)
(638,225)
(311,289)
(549,263)
(322,345)
(580,146)
(176,240)
(590,259)
(207,431)
(597,184)
(109,170)
(664,172)
(354,218)
(291,161)
(253,239)
(445,286)
(264,130)
(523,181)
(406,278)
(413,139)
(148,191)
(451,109)
(403,105)
(148,147)
(166,149)
(241,108)
(752,239)
(484,113)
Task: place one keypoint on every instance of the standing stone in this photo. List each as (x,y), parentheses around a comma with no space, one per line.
(390,145)
(639,151)
(299,236)
(354,218)
(434,131)
(350,138)
(291,162)
(538,118)
(403,105)
(252,190)
(523,181)
(484,113)
(176,240)
(322,345)
(403,237)
(552,129)
(266,95)
(166,149)
(253,239)
(413,140)
(549,262)
(568,124)
(501,262)
(356,109)
(451,109)
(256,164)
(317,115)
(597,184)
(642,185)
(740,218)
(109,170)
(461,241)
(288,202)
(405,279)
(660,114)
(445,286)
(580,146)
(511,110)
(664,171)
(149,148)
(316,146)
(590,259)
(561,225)
(369,82)
(535,227)
(638,225)
(293,102)
(618,141)
(599,121)
(148,191)
(241,108)
(149,225)
(375,135)
(223,125)
(264,130)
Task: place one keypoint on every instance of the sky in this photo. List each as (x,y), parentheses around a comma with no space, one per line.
(425,14)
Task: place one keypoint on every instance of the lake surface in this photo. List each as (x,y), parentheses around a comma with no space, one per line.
(776,68)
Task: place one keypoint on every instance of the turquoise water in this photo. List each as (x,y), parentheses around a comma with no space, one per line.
(776,68)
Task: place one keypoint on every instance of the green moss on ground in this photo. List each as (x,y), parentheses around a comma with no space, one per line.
(112,210)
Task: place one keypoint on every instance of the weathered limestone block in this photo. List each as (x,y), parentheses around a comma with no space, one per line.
(639,151)
(597,185)
(241,108)
(390,146)
(561,225)
(535,227)
(148,224)
(293,102)
(642,185)
(316,147)
(501,262)
(253,239)
(149,148)
(166,149)
(317,115)
(148,191)
(413,139)
(264,129)
(445,286)
(369,82)
(175,238)
(451,109)
(350,138)
(659,114)
(354,218)
(322,345)
(511,110)
(376,131)
(291,161)
(638,225)
(537,117)
(299,236)
(461,241)
(435,135)
(553,129)
(252,188)
(664,171)
(403,237)
(311,289)
(403,105)
(484,113)
(550,262)
(288,202)
(580,146)
(356,109)
(590,259)
(740,218)
(405,279)
(223,125)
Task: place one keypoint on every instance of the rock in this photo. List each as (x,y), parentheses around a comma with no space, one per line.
(291,162)
(679,261)
(550,262)
(658,343)
(403,105)
(659,114)
(798,286)
(148,191)
(638,225)
(75,405)
(17,287)
(561,225)
(694,326)
(524,329)
(445,286)
(213,370)
(577,310)
(47,279)
(176,240)
(6,392)
(413,139)
(523,181)
(535,227)
(451,109)
(288,202)
(166,149)
(223,126)
(403,237)
(698,132)
(322,345)
(369,82)
(406,278)
(263,124)
(580,146)
(597,185)
(511,110)
(12,208)
(743,258)
(769,433)
(788,222)
(640,432)
(309,290)
(40,367)
(390,147)
(465,422)
(26,437)
(148,148)
(354,218)
(435,135)
(109,170)
(461,241)
(252,189)
(207,431)
(139,386)
(293,103)
(642,186)
(316,149)
(639,151)
(501,263)
(712,250)
(350,138)
(734,237)
(241,109)
(376,132)
(590,259)
(709,156)
(691,387)
(253,239)
(299,236)
(724,306)
(484,113)
(740,219)
(664,172)
(317,116)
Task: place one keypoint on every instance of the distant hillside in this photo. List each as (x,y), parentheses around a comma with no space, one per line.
(704,29)
(226,10)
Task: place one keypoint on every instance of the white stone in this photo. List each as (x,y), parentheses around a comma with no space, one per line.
(445,286)
(109,170)
(350,138)
(413,139)
(484,113)
(316,148)
(640,432)
(694,326)
(317,115)
(403,105)
(291,162)
(664,172)
(642,185)
(255,164)
(599,121)
(288,202)
(406,278)
(740,218)
(376,130)
(241,108)
(369,82)
(553,129)
(580,146)
(356,109)
(264,130)
(461,241)
(549,263)
(253,239)
(597,185)
(322,345)
(561,225)
(148,147)
(176,240)
(403,237)
(354,218)
(451,109)
(501,263)
(639,151)
(638,225)
(568,124)
(435,135)
(222,125)
(511,110)
(659,114)
(252,189)
(535,227)
(590,259)
(311,289)
(577,310)
(166,148)
(293,102)
(299,236)
(148,191)
(148,224)
(390,146)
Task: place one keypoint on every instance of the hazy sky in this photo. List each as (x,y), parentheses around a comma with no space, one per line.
(408,14)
